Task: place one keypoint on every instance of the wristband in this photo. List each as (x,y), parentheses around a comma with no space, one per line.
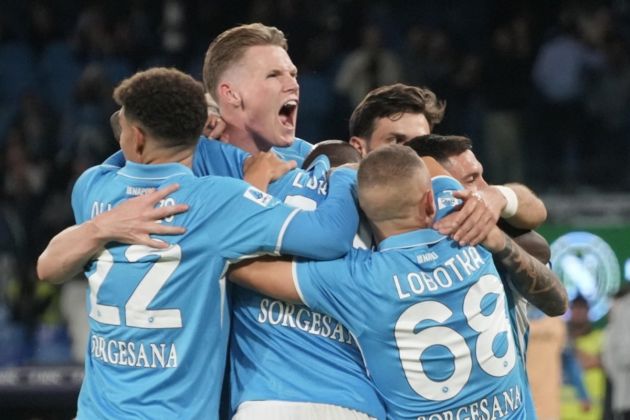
(511,199)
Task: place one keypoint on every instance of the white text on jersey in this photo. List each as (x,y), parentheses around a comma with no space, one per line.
(498,406)
(276,312)
(303,180)
(466,261)
(133,354)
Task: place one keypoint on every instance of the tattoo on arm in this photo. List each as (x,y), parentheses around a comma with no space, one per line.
(535,281)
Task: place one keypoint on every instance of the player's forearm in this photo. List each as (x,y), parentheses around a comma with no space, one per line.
(327,232)
(269,276)
(533,280)
(531,211)
(68,252)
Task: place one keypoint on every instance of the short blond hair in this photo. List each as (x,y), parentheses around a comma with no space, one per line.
(388,182)
(230,46)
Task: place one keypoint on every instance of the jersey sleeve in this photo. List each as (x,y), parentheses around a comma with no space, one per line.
(329,230)
(329,287)
(213,157)
(443,189)
(81,192)
(256,222)
(252,222)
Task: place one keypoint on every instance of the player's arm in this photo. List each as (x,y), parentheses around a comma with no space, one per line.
(265,167)
(132,222)
(536,246)
(327,232)
(482,209)
(515,203)
(529,210)
(474,219)
(530,240)
(269,276)
(531,278)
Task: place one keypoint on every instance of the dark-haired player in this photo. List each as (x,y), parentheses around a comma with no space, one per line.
(159,319)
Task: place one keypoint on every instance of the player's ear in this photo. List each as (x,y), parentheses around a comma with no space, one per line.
(359,144)
(429,205)
(139,138)
(229,95)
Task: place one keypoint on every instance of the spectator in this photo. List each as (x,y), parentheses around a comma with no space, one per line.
(547,338)
(616,354)
(587,342)
(368,67)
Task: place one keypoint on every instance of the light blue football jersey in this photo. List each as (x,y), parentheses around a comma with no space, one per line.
(518,310)
(297,151)
(211,157)
(288,352)
(432,321)
(159,319)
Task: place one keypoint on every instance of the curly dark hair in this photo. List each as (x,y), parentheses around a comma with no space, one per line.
(169,104)
(392,101)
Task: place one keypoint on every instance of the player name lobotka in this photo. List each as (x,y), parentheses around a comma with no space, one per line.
(466,261)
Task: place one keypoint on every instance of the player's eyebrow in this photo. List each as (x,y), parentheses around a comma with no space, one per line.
(398,135)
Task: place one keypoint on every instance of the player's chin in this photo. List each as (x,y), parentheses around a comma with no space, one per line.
(285,139)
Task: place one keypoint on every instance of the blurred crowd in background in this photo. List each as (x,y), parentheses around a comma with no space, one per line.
(542,88)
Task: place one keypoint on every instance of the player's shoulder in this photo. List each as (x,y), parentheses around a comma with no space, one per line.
(202,184)
(95,174)
(209,146)
(298,150)
(302,145)
(361,260)
(222,188)
(445,183)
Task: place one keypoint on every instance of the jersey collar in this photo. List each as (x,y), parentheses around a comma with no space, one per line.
(154,172)
(415,238)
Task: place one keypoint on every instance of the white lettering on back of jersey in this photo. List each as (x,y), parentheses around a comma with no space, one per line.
(275,312)
(311,182)
(493,407)
(444,276)
(426,257)
(99,207)
(134,354)
(139,190)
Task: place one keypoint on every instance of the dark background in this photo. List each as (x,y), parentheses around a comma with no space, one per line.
(542,87)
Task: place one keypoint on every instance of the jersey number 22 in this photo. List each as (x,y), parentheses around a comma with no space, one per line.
(136,312)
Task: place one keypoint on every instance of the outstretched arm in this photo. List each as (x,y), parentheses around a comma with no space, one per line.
(132,222)
(514,203)
(327,232)
(530,210)
(531,278)
(269,276)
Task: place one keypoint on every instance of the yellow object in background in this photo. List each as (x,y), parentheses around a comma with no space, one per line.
(589,346)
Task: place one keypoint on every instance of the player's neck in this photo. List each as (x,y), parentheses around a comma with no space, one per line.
(384,229)
(181,156)
(243,140)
